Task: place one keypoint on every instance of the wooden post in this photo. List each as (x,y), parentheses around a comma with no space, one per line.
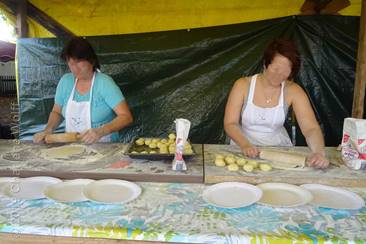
(360,83)
(22,25)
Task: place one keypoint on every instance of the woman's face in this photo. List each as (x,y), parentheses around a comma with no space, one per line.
(279,69)
(81,69)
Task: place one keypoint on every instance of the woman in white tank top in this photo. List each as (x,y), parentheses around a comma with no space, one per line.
(257,106)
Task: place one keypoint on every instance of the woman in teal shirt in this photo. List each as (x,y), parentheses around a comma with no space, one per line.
(90,101)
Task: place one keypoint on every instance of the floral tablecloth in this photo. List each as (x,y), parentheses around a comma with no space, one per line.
(177,213)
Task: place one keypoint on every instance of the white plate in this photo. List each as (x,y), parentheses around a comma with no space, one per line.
(4,181)
(333,197)
(67,191)
(284,195)
(112,191)
(231,194)
(29,188)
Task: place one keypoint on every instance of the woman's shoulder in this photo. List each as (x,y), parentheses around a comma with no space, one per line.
(243,82)
(294,91)
(104,77)
(66,80)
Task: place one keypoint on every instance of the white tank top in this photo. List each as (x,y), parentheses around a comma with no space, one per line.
(264,126)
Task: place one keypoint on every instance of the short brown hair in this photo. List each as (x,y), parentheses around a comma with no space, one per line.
(287,49)
(80,48)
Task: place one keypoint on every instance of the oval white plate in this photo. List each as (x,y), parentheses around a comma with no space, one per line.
(231,194)
(334,197)
(112,191)
(3,183)
(29,188)
(67,191)
(284,195)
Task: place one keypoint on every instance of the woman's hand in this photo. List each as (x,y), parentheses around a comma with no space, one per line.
(250,151)
(91,136)
(39,137)
(317,160)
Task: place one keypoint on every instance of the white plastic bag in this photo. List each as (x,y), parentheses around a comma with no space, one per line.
(354,143)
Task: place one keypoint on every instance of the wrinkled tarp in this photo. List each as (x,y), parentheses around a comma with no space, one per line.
(188,74)
(7,51)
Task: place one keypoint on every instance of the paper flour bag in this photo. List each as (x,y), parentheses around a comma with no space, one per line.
(354,143)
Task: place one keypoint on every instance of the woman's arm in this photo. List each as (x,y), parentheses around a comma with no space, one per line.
(232,115)
(53,122)
(309,126)
(123,119)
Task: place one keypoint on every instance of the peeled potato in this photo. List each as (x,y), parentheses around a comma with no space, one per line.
(152,151)
(171,141)
(220,162)
(171,136)
(219,156)
(265,167)
(152,145)
(134,152)
(233,167)
(155,141)
(253,163)
(241,161)
(147,142)
(143,152)
(230,160)
(164,141)
(140,142)
(248,167)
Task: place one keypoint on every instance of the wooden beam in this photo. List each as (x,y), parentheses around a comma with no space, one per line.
(39,16)
(360,83)
(22,25)
(48,22)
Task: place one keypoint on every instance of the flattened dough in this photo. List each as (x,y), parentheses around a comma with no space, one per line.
(284,160)
(79,154)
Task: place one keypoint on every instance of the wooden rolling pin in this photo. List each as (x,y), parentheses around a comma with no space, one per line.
(287,158)
(62,138)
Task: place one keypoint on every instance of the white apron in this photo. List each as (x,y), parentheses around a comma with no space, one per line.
(78,114)
(264,126)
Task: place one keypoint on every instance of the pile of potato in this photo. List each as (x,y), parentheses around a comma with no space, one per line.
(160,145)
(233,163)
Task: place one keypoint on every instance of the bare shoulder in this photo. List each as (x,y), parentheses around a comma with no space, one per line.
(242,84)
(294,91)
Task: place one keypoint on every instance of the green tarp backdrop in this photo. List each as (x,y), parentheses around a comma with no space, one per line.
(189,73)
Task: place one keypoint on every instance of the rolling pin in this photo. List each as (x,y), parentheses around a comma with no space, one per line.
(287,158)
(62,138)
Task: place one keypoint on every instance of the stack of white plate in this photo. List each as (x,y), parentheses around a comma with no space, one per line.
(70,191)
(236,195)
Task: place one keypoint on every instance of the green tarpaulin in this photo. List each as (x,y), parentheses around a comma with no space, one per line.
(189,73)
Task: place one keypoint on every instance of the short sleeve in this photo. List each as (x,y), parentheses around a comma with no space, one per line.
(111,93)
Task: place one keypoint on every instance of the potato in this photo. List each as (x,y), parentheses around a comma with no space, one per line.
(241,161)
(233,167)
(152,145)
(265,167)
(248,167)
(220,162)
(253,163)
(171,141)
(155,140)
(140,141)
(165,141)
(229,159)
(147,142)
(152,152)
(134,152)
(163,150)
(172,136)
(143,152)
(219,156)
